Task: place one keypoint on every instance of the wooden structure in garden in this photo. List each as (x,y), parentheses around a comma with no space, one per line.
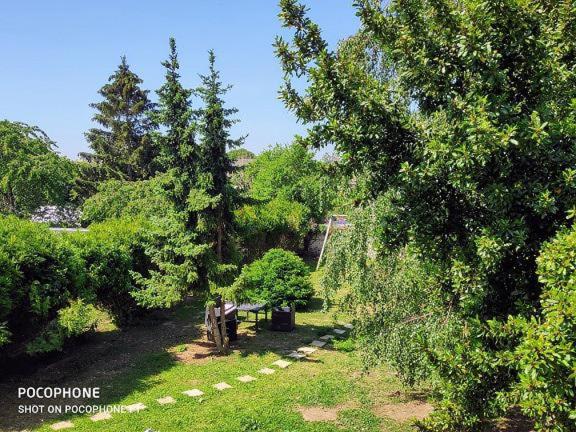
(335,222)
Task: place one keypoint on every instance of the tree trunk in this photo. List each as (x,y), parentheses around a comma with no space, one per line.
(215,329)
(223,332)
(219,241)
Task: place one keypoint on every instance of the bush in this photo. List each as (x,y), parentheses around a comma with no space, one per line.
(110,251)
(277,223)
(279,278)
(547,355)
(76,319)
(39,275)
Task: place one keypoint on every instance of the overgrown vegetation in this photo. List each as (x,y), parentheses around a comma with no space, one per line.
(32,174)
(455,129)
(460,117)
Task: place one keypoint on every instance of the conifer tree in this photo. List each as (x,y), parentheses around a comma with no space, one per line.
(175,247)
(122,148)
(177,147)
(214,125)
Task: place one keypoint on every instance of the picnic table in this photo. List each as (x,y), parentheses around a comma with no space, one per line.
(255,308)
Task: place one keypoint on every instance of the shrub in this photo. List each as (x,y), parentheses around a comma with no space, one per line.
(279,278)
(76,319)
(547,354)
(39,275)
(111,251)
(277,223)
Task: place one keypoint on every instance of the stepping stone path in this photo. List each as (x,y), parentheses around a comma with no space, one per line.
(62,425)
(166,400)
(296,355)
(246,378)
(300,353)
(222,386)
(193,393)
(282,364)
(318,343)
(101,416)
(135,407)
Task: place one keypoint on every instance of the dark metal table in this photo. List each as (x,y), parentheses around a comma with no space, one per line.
(255,309)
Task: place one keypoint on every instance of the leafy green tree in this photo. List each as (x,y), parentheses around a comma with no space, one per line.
(240,153)
(462,113)
(291,173)
(215,166)
(32,174)
(145,199)
(123,148)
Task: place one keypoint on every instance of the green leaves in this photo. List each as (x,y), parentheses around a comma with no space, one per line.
(461,114)
(32,174)
(279,278)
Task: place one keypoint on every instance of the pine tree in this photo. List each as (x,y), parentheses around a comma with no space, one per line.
(122,147)
(214,125)
(177,146)
(175,246)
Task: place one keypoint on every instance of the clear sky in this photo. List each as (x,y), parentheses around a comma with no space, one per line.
(55,55)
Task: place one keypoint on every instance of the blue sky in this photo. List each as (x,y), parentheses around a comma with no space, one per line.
(57,54)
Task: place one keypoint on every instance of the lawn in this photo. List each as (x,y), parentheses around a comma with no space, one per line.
(170,355)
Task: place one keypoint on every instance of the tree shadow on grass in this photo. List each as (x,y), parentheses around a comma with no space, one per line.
(119,362)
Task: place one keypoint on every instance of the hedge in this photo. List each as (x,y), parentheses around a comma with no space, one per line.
(52,283)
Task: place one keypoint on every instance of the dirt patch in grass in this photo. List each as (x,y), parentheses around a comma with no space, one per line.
(316,414)
(197,352)
(401,412)
(514,422)
(99,361)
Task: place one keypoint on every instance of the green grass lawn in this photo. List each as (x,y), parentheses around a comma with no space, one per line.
(330,378)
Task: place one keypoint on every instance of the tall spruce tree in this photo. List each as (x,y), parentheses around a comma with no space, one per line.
(122,148)
(175,247)
(214,123)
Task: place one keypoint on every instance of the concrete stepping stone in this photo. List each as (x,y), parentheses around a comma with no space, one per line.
(222,386)
(101,416)
(296,355)
(318,343)
(266,371)
(348,326)
(135,407)
(193,393)
(62,425)
(246,378)
(282,363)
(307,350)
(326,337)
(166,400)
(339,331)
